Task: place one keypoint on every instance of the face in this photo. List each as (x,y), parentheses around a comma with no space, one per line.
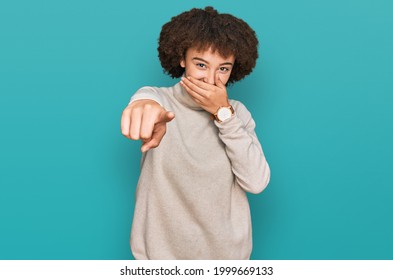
(204,65)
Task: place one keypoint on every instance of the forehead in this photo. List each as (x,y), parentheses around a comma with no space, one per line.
(209,55)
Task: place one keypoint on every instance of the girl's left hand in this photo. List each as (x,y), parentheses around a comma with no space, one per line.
(209,97)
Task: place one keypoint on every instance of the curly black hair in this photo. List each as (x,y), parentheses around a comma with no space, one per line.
(205,28)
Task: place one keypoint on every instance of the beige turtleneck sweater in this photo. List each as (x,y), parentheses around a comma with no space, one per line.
(191,198)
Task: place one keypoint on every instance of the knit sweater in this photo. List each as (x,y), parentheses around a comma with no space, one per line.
(191,198)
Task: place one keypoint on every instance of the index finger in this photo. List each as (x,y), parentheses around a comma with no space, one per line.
(165,116)
(200,84)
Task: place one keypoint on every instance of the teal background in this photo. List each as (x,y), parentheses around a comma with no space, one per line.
(321,95)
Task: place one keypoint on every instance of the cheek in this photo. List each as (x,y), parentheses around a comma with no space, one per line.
(224,77)
(195,73)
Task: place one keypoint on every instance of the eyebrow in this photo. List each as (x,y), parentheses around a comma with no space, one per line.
(201,59)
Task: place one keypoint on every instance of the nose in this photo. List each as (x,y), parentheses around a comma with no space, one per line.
(209,78)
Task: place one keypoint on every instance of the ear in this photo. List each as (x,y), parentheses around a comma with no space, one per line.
(182,63)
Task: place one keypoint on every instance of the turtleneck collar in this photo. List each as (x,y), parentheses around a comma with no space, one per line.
(184,97)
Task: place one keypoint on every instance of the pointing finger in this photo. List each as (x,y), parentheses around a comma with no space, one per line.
(155,140)
(165,116)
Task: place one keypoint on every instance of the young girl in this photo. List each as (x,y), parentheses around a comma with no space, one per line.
(200,151)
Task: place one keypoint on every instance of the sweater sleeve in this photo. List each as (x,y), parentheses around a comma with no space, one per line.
(249,165)
(147,93)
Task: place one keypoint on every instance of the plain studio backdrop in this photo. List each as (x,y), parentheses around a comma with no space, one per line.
(321,95)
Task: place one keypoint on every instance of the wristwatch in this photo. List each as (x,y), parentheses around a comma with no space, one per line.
(223,113)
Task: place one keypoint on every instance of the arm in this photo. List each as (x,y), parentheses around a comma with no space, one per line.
(144,118)
(249,165)
(252,173)
(147,93)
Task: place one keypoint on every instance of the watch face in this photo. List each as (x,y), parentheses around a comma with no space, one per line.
(224,114)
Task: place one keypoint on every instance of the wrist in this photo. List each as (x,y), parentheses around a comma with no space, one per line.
(215,107)
(223,113)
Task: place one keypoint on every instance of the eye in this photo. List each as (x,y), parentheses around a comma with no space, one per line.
(201,65)
(224,69)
